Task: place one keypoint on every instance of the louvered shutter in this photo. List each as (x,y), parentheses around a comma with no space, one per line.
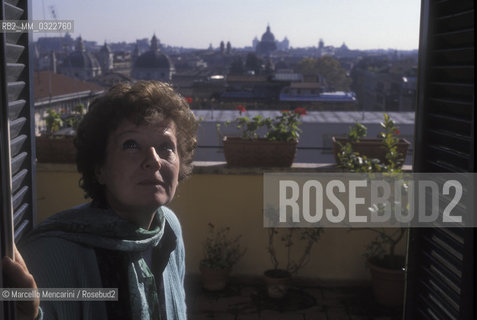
(16,131)
(441,261)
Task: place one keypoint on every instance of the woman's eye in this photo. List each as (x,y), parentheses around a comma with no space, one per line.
(130,144)
(167,147)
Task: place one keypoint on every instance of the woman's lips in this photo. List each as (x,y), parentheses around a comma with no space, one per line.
(153,182)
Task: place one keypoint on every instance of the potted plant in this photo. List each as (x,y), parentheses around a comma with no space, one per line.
(388,143)
(277,279)
(53,147)
(221,253)
(386,266)
(276,147)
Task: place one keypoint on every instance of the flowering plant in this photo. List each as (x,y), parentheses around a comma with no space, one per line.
(220,250)
(284,127)
(382,250)
(355,162)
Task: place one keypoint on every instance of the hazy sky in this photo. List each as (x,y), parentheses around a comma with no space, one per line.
(361,24)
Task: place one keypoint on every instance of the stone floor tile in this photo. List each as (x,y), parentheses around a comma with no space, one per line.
(314,313)
(211,316)
(317,293)
(252,316)
(335,313)
(275,315)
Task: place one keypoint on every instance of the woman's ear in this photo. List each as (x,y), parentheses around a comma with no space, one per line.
(99,173)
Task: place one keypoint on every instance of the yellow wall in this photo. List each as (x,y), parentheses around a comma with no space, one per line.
(224,200)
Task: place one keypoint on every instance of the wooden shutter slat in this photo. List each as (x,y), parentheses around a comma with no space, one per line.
(441,300)
(432,266)
(444,122)
(449,156)
(18,161)
(449,108)
(15,108)
(16,126)
(12,11)
(13,37)
(447,8)
(13,52)
(17,144)
(453,73)
(441,166)
(453,56)
(435,275)
(19,197)
(454,39)
(434,307)
(22,229)
(437,251)
(18,179)
(14,89)
(14,70)
(20,214)
(13,2)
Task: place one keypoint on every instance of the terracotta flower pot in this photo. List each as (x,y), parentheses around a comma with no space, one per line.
(55,149)
(277,282)
(258,152)
(214,279)
(369,147)
(388,284)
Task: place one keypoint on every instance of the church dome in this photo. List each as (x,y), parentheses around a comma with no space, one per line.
(153,59)
(268,36)
(81,59)
(106,48)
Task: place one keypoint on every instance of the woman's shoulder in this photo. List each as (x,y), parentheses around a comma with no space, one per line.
(172,219)
(57,261)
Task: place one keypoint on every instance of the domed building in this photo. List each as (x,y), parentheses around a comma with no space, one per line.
(81,64)
(267,44)
(106,58)
(153,64)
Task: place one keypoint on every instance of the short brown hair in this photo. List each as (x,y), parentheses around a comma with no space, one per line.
(141,103)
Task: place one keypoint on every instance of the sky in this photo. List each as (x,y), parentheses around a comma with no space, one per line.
(360,24)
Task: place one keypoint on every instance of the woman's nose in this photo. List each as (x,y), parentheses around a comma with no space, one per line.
(152,160)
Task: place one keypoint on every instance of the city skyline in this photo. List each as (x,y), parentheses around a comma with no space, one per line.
(364,24)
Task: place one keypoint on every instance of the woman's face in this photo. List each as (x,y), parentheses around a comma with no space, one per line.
(141,169)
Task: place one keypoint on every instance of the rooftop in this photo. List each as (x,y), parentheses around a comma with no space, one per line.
(52,84)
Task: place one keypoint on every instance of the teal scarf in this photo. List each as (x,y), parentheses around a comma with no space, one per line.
(102,228)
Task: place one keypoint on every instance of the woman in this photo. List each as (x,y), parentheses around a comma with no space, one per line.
(134,145)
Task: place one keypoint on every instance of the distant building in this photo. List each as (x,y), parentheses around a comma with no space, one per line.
(255,42)
(153,64)
(57,44)
(81,64)
(107,80)
(60,93)
(106,58)
(267,45)
(283,45)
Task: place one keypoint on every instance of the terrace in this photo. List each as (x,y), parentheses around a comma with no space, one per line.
(334,282)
